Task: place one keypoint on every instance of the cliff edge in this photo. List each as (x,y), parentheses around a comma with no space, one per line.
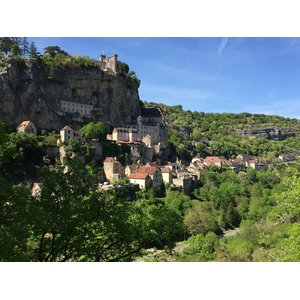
(70,96)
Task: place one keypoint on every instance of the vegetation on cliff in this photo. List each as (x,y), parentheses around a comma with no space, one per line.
(54,58)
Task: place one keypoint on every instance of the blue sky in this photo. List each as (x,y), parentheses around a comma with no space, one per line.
(209,74)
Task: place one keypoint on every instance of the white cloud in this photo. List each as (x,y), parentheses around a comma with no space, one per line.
(223,44)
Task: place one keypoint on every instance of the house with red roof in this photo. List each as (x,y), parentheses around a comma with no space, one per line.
(143,180)
(213,160)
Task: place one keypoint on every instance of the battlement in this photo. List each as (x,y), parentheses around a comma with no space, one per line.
(110,63)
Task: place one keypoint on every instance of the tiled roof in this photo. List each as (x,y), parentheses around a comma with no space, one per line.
(24,124)
(109,159)
(165,170)
(67,128)
(147,170)
(212,159)
(138,176)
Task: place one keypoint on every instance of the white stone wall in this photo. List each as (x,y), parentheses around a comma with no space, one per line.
(73,107)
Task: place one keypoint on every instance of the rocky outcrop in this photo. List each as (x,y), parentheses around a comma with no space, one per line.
(28,93)
(268,133)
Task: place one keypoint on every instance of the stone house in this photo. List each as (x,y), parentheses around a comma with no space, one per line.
(27,127)
(166,174)
(193,169)
(67,133)
(143,180)
(213,160)
(36,189)
(155,175)
(113,169)
(287,157)
(186,181)
(257,164)
(132,169)
(244,157)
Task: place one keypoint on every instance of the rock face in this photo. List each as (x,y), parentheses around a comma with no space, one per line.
(26,93)
(268,133)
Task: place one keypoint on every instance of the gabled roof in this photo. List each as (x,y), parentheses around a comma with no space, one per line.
(138,176)
(39,184)
(110,159)
(165,170)
(67,128)
(245,157)
(212,159)
(134,167)
(151,164)
(147,170)
(24,124)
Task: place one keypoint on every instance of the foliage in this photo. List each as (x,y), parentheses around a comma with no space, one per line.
(199,220)
(124,68)
(14,218)
(5,44)
(95,130)
(20,156)
(222,133)
(33,50)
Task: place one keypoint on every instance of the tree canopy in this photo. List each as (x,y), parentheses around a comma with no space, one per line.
(94,130)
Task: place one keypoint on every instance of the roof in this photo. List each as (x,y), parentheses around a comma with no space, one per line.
(24,124)
(147,170)
(138,176)
(151,164)
(67,128)
(134,167)
(165,170)
(110,159)
(212,159)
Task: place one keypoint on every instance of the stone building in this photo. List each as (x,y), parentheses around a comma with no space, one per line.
(27,127)
(67,133)
(109,64)
(113,169)
(149,129)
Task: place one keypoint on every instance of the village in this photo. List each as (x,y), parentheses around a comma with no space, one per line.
(147,138)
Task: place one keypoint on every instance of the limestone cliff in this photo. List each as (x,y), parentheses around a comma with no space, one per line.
(268,133)
(28,93)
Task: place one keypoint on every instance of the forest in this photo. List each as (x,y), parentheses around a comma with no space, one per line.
(70,220)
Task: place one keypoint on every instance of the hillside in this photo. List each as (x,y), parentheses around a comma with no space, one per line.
(228,134)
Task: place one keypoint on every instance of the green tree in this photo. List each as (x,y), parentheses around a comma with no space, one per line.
(287,204)
(71,221)
(124,68)
(14,218)
(24,45)
(198,220)
(53,50)
(5,44)
(95,130)
(33,50)
(16,50)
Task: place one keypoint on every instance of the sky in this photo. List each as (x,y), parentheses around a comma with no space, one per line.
(259,75)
